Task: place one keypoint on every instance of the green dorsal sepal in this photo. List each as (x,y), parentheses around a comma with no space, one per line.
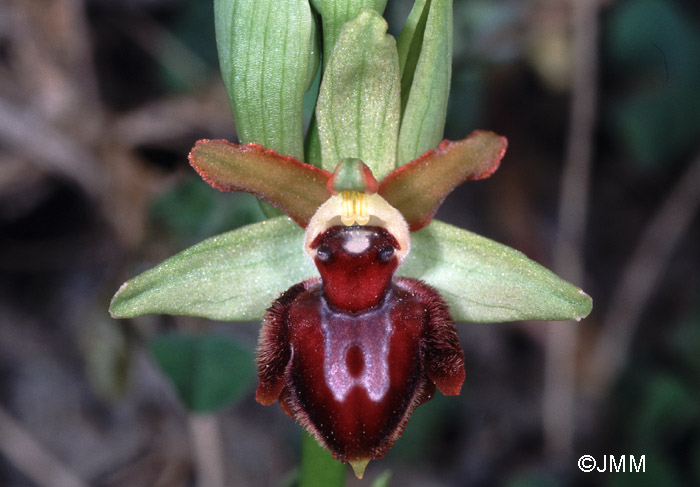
(352,174)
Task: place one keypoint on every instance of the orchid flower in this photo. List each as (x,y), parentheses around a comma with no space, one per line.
(358,288)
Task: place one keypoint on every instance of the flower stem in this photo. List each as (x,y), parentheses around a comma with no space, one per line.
(318,467)
(205,433)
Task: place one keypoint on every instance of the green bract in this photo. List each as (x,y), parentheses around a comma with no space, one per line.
(268,52)
(359,105)
(425,58)
(335,13)
(382,105)
(269,56)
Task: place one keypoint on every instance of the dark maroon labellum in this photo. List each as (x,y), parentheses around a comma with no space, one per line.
(351,355)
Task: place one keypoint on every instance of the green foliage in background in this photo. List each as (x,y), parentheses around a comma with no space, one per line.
(208,372)
(192,211)
(656,115)
(660,403)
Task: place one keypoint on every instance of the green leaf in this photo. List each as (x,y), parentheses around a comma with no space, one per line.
(232,277)
(208,372)
(312,144)
(658,470)
(318,467)
(651,49)
(296,188)
(686,345)
(425,59)
(107,356)
(383,480)
(359,103)
(533,479)
(334,14)
(410,42)
(484,281)
(669,409)
(418,189)
(268,55)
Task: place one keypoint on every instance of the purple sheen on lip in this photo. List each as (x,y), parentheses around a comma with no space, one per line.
(350,356)
(355,416)
(356,348)
(352,378)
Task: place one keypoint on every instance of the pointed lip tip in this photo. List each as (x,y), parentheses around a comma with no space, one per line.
(359,466)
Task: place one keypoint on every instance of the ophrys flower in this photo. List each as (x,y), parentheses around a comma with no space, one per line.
(352,354)
(365,331)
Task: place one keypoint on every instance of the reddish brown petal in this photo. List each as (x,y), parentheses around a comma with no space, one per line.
(444,359)
(296,188)
(274,351)
(418,188)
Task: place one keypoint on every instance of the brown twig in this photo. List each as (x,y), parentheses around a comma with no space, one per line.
(205,433)
(168,50)
(560,360)
(30,136)
(30,458)
(640,279)
(173,118)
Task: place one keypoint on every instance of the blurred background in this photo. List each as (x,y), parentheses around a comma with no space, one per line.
(100,101)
